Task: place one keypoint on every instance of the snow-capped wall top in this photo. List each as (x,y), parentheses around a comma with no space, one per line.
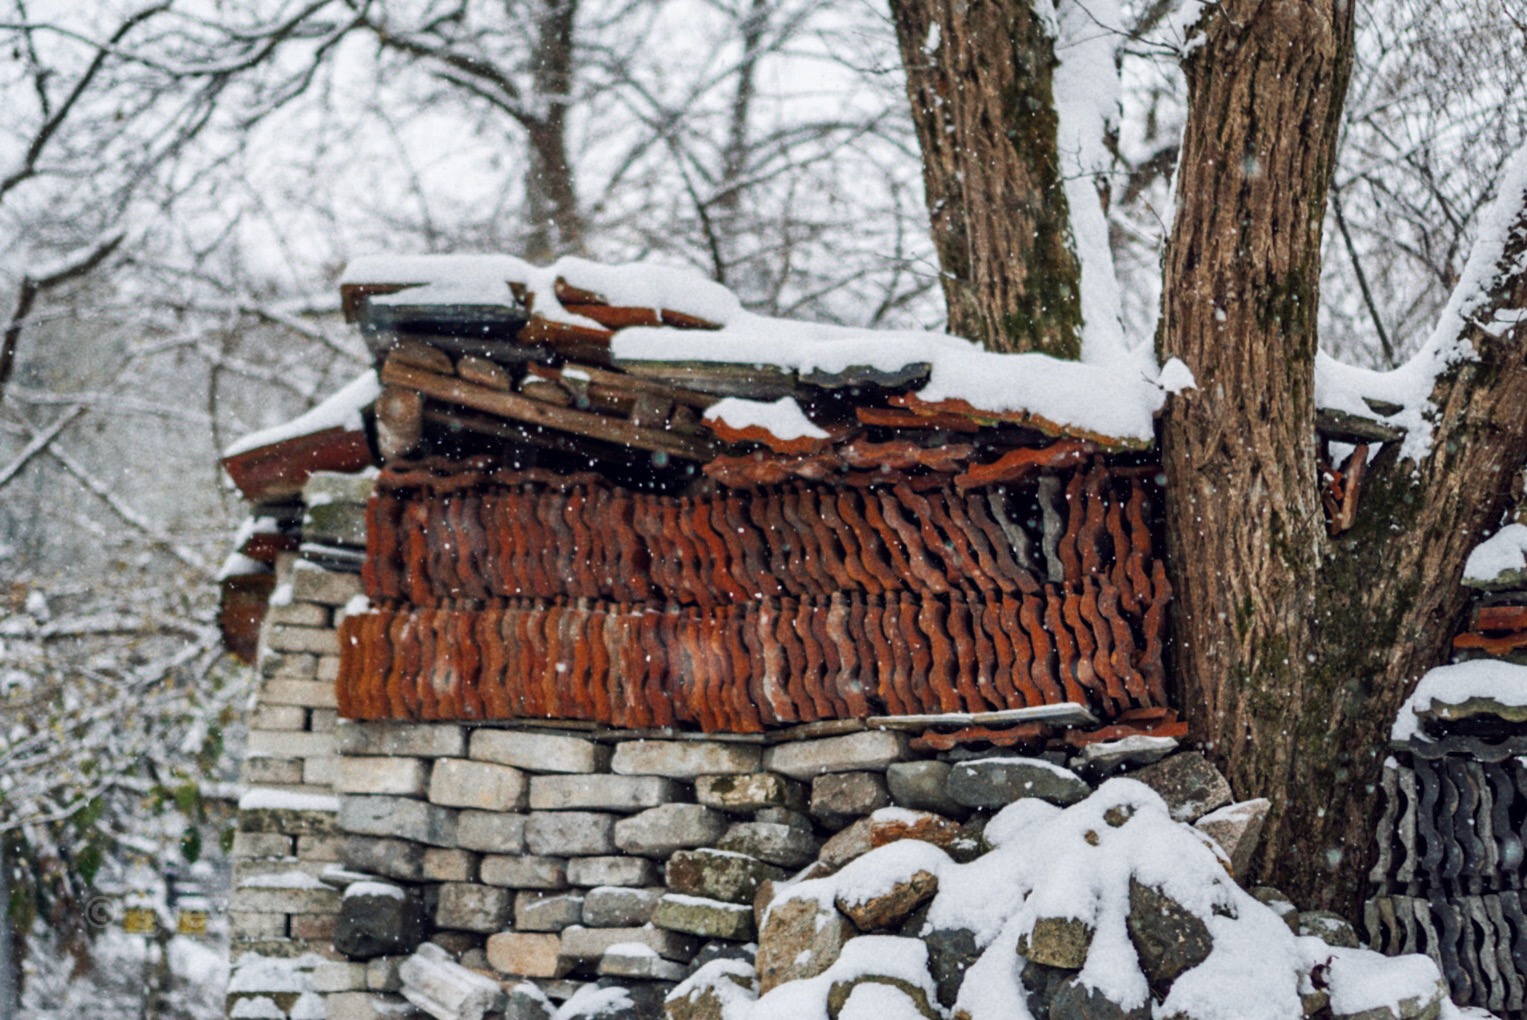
(341,410)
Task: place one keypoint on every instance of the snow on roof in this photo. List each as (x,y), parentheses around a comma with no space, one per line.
(782,418)
(1499,681)
(342,410)
(1505,552)
(1115,393)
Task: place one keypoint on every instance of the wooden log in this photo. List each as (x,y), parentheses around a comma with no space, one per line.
(519,408)
(482,372)
(418,354)
(1342,427)
(581,343)
(1352,484)
(755,382)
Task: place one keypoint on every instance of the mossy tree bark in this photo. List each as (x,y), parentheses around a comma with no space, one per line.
(1294,650)
(979,75)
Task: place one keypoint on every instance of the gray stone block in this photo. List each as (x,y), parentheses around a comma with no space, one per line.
(719,875)
(708,919)
(642,966)
(920,785)
(659,831)
(459,782)
(619,907)
(580,943)
(524,872)
(617,871)
(570,833)
(392,739)
(400,817)
(539,752)
(1187,782)
(392,858)
(491,832)
(312,640)
(998,782)
(601,792)
(749,792)
(870,750)
(402,777)
(839,797)
(683,759)
(311,583)
(471,907)
(443,865)
(539,911)
(784,845)
(376,919)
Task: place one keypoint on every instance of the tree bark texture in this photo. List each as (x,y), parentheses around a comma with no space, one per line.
(551,195)
(1295,650)
(979,75)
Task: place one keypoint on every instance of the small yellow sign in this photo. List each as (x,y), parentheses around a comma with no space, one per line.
(139,921)
(191,922)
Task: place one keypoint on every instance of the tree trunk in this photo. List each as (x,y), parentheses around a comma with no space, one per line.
(551,195)
(1240,293)
(979,76)
(1294,650)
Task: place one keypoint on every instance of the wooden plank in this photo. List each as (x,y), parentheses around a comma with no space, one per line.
(637,384)
(756,382)
(565,419)
(1342,427)
(1067,713)
(280,470)
(526,435)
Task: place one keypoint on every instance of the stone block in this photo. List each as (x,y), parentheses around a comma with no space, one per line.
(339,976)
(313,640)
(640,963)
(311,583)
(442,865)
(872,750)
(849,845)
(288,821)
(277,900)
(580,943)
(800,939)
(748,792)
(323,720)
(401,777)
(390,739)
(1189,784)
(659,831)
(539,911)
(1237,828)
(335,524)
(524,872)
(998,782)
(570,833)
(256,845)
(708,919)
(539,752)
(392,858)
(491,832)
(683,759)
(920,785)
(460,782)
(243,924)
(321,772)
(290,744)
(366,1006)
(263,771)
(307,693)
(328,668)
(378,919)
(601,792)
(527,955)
(298,614)
(279,717)
(784,845)
(612,906)
(401,817)
(616,871)
(382,974)
(471,907)
(719,875)
(288,665)
(325,849)
(839,797)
